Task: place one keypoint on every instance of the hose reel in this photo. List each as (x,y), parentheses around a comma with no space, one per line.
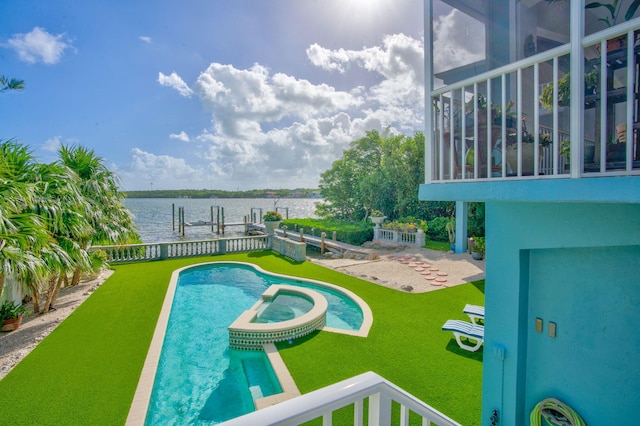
(555,413)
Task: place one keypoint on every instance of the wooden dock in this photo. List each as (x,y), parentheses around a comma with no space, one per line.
(328,244)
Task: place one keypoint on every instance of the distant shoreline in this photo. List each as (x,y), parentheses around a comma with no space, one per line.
(205,193)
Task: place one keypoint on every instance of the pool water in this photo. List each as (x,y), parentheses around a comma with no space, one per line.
(283,307)
(199,379)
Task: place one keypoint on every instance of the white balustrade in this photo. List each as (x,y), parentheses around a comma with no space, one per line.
(169,250)
(387,235)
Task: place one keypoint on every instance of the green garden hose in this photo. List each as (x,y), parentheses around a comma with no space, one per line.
(555,413)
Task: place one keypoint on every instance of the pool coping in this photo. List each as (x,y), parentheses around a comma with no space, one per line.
(142,397)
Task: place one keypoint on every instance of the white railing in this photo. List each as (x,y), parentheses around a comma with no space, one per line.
(406,238)
(478,130)
(321,404)
(158,251)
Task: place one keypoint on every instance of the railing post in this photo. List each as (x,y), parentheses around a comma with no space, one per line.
(335,235)
(379,410)
(222,246)
(420,238)
(164,251)
(302,235)
(322,235)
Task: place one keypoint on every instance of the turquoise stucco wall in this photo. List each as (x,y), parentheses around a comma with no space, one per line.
(576,264)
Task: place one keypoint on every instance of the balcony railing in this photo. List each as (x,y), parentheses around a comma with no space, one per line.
(495,126)
(321,404)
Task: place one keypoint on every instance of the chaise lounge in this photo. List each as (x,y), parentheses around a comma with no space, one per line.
(470,331)
(475,312)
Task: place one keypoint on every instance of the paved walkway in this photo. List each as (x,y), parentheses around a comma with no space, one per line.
(408,268)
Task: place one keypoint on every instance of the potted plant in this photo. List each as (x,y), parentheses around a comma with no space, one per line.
(11,314)
(377,217)
(271,221)
(528,155)
(477,251)
(591,79)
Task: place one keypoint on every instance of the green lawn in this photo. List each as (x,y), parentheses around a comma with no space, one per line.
(87,370)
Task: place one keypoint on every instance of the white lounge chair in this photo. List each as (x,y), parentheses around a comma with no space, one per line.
(470,331)
(475,312)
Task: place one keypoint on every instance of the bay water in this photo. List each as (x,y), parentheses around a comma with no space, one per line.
(156,219)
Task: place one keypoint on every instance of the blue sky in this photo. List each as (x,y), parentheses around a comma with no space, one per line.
(213,94)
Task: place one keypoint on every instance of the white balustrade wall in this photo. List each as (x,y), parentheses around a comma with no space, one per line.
(385,235)
(158,251)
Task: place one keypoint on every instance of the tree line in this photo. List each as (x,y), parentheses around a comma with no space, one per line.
(50,214)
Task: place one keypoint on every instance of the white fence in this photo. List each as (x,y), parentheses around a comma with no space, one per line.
(406,238)
(321,404)
(158,251)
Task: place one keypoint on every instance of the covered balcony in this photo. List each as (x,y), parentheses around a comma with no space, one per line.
(540,99)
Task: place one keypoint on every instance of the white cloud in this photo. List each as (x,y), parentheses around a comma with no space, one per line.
(39,46)
(146,39)
(399,55)
(174,81)
(277,130)
(242,99)
(182,136)
(52,144)
(164,171)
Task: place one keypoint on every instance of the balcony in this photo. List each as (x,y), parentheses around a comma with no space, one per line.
(525,121)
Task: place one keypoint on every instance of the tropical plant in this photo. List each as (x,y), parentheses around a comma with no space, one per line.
(544,139)
(22,231)
(451,230)
(546,99)
(478,245)
(11,310)
(110,221)
(378,172)
(7,83)
(614,8)
(272,216)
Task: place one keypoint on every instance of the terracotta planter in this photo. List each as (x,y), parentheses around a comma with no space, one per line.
(11,324)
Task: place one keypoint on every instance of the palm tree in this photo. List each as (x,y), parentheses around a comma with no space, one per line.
(110,220)
(10,84)
(22,234)
(62,208)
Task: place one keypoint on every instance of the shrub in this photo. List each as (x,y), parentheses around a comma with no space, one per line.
(437,229)
(355,233)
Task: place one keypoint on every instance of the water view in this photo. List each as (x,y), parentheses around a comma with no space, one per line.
(153,216)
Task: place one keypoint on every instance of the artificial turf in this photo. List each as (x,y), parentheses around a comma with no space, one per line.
(87,369)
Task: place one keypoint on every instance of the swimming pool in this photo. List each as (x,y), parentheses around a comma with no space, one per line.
(199,379)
